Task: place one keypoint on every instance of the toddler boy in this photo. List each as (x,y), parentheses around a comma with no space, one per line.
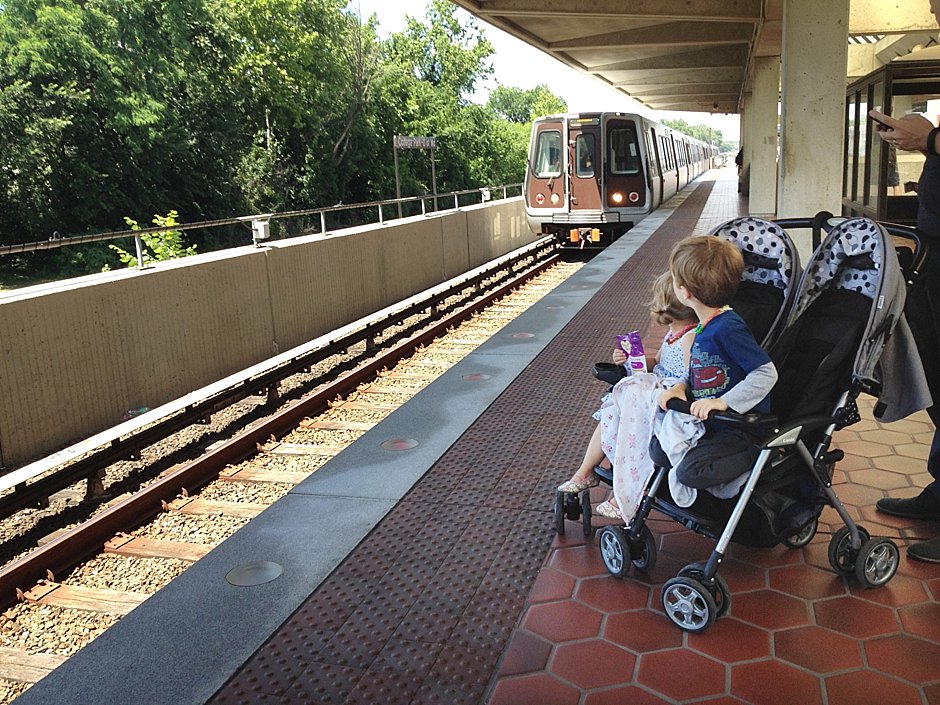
(727,370)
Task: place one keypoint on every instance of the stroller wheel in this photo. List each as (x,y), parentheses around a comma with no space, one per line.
(614,550)
(803,536)
(877,562)
(559,510)
(689,604)
(573,505)
(643,552)
(718,588)
(586,514)
(841,555)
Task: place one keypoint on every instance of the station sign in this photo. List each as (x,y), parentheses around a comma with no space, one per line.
(405,142)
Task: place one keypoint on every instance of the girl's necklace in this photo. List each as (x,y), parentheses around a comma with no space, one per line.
(673,337)
(702,324)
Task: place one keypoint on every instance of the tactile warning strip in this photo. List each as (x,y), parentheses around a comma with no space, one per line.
(423,609)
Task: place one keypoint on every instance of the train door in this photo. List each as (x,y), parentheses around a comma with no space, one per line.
(545,182)
(667,154)
(584,142)
(656,167)
(625,183)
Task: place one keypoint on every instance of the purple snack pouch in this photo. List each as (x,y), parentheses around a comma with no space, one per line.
(636,357)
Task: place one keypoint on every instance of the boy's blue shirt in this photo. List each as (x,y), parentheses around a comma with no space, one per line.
(723,354)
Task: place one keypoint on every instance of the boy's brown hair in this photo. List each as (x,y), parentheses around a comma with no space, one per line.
(664,306)
(709,267)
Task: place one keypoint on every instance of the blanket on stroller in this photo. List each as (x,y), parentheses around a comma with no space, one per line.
(629,417)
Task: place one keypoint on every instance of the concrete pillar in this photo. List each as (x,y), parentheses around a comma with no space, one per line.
(814,54)
(763,118)
(744,185)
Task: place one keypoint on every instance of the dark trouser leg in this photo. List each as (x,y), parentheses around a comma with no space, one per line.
(923,315)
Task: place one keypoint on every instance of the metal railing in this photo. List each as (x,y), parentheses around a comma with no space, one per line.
(260,223)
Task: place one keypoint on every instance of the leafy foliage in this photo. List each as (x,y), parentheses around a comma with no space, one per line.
(225,107)
(156,247)
(700,132)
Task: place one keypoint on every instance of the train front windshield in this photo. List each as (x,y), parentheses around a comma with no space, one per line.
(548,154)
(624,157)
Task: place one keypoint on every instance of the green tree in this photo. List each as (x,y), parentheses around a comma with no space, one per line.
(699,132)
(108,106)
(523,106)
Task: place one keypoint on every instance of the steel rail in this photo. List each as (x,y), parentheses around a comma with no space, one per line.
(88,538)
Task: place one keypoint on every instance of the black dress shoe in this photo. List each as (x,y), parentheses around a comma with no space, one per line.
(926,505)
(928,551)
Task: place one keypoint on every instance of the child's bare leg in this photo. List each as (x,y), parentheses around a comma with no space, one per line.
(584,476)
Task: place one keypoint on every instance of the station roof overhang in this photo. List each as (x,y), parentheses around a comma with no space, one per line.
(689,56)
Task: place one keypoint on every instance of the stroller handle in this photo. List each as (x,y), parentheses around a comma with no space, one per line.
(752,418)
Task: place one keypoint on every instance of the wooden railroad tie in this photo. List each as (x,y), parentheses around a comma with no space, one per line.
(76,597)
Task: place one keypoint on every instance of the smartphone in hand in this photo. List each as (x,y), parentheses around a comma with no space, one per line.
(879,124)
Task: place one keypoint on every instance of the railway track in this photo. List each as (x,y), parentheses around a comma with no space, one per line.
(141,542)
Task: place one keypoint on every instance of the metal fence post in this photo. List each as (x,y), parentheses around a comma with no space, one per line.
(140,251)
(322,222)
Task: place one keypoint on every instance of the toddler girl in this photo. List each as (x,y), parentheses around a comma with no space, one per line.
(670,365)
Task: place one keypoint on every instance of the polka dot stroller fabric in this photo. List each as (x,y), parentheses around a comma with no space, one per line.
(771,265)
(858,255)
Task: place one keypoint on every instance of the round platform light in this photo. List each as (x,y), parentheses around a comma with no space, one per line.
(634,197)
(539,198)
(616,197)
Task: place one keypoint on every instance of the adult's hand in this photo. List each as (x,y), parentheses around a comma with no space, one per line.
(908,133)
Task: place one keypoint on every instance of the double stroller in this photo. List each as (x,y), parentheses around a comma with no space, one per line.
(825,331)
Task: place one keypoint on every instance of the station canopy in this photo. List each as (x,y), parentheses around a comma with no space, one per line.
(692,56)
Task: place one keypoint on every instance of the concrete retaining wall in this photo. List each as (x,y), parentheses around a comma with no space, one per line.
(76,356)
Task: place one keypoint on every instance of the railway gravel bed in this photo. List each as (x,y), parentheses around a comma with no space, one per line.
(59,631)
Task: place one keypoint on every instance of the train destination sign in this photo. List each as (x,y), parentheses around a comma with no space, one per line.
(404,142)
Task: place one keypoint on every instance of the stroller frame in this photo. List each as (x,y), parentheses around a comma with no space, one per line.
(698,594)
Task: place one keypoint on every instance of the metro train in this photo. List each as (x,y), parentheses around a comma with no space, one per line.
(591,176)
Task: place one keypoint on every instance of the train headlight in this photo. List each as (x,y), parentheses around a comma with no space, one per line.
(616,197)
(555,199)
(539,198)
(634,197)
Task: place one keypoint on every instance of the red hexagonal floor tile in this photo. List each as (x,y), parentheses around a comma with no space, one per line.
(922,619)
(550,585)
(621,696)
(908,657)
(818,649)
(526,653)
(608,594)
(562,621)
(901,590)
(770,609)
(855,617)
(933,694)
(742,577)
(682,674)
(687,545)
(730,640)
(806,581)
(869,688)
(642,630)
(764,557)
(593,664)
(539,688)
(579,561)
(774,683)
